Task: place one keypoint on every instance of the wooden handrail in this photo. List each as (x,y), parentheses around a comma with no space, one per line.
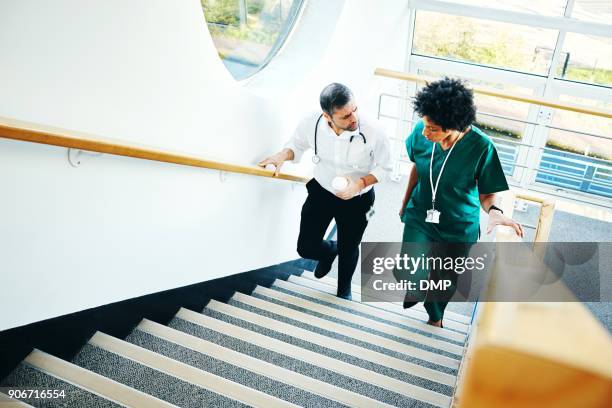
(504,95)
(542,354)
(531,340)
(30,132)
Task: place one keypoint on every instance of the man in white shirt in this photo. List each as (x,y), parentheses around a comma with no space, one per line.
(350,155)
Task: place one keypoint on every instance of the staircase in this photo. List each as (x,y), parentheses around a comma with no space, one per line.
(292,344)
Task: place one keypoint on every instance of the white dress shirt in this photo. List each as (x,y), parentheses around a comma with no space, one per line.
(339,156)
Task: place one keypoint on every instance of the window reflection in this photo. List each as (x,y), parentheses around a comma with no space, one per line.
(586,58)
(484,42)
(541,7)
(247,33)
(596,11)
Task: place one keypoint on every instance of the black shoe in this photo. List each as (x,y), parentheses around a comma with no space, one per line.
(429,322)
(324,266)
(347,296)
(407,304)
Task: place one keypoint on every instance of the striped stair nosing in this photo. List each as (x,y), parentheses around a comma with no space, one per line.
(349,331)
(419,315)
(92,382)
(458,317)
(230,356)
(320,360)
(371,312)
(27,377)
(294,343)
(362,321)
(187,373)
(334,344)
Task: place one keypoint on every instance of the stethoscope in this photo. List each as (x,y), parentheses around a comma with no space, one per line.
(316,159)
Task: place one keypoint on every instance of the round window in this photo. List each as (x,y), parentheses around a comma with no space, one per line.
(248,33)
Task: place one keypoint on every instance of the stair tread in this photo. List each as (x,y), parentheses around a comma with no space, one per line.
(416,314)
(311,363)
(377,326)
(369,312)
(25,376)
(291,344)
(448,314)
(8,402)
(91,382)
(276,327)
(289,385)
(461,318)
(348,332)
(164,378)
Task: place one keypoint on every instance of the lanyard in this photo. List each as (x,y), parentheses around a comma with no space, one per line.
(434,189)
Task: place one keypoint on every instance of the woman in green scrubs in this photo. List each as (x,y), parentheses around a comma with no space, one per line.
(456,172)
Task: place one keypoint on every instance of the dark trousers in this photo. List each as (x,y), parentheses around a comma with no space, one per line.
(435,301)
(318,210)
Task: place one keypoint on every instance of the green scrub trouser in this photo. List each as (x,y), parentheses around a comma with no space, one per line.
(435,309)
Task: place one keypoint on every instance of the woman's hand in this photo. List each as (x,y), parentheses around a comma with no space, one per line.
(497,218)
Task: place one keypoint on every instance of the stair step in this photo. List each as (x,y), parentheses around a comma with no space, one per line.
(26,377)
(381,328)
(348,331)
(165,378)
(8,402)
(452,321)
(351,353)
(458,317)
(264,375)
(367,311)
(313,364)
(83,387)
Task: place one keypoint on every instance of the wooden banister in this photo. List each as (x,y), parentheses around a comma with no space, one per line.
(504,95)
(537,355)
(30,132)
(534,354)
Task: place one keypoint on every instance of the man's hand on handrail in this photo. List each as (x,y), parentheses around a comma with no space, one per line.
(277,160)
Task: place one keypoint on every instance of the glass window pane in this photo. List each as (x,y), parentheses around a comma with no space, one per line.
(595,147)
(579,161)
(484,42)
(598,11)
(586,58)
(542,7)
(503,120)
(247,33)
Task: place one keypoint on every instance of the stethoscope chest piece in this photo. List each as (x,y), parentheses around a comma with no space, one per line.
(316,159)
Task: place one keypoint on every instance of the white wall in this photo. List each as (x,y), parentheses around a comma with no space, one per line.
(146,71)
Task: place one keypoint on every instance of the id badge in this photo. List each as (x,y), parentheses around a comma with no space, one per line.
(433,216)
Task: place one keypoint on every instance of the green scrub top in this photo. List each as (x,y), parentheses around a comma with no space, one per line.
(473,168)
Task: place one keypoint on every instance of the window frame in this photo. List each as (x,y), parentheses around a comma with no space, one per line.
(547,86)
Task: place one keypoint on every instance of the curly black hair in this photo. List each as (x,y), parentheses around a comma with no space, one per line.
(448,103)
